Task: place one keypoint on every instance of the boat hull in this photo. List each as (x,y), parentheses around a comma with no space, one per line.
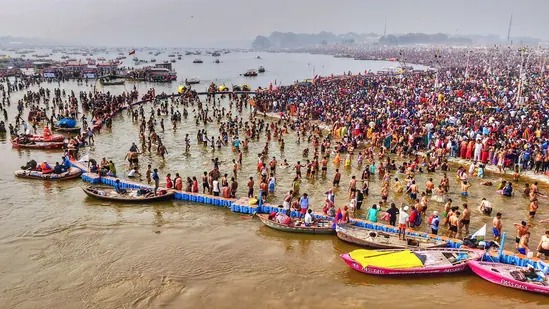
(39,145)
(382,271)
(295,229)
(40,138)
(166,197)
(483,270)
(67,130)
(363,242)
(72,173)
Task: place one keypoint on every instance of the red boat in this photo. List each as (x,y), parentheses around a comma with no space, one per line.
(38,145)
(42,138)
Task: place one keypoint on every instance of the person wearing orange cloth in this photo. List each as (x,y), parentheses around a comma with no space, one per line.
(45,168)
(47,133)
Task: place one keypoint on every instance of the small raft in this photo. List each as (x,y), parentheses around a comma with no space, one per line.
(321,227)
(410,262)
(131,195)
(71,173)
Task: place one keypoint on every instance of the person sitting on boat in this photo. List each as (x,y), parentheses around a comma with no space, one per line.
(281,216)
(30,166)
(328,208)
(485,207)
(47,133)
(112,169)
(45,168)
(118,189)
(66,162)
(309,218)
(58,168)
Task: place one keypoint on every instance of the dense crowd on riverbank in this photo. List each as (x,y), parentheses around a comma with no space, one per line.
(473,112)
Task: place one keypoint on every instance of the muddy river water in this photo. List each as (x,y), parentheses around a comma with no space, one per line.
(61,249)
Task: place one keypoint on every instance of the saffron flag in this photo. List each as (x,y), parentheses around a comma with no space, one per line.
(132,52)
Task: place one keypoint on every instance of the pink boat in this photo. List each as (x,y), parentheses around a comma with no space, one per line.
(512,276)
(410,261)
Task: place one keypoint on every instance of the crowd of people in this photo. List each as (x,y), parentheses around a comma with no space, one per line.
(487,106)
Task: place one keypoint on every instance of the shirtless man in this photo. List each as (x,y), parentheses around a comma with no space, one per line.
(344,215)
(429,186)
(523,244)
(297,169)
(465,219)
(352,187)
(337,178)
(522,228)
(497,226)
(413,190)
(454,223)
(533,207)
(324,166)
(447,209)
(543,246)
(464,188)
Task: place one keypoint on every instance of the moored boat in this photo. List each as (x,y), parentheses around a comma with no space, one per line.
(111,80)
(377,239)
(411,262)
(192,81)
(38,145)
(197,61)
(511,276)
(42,138)
(71,173)
(67,130)
(250,73)
(130,196)
(321,227)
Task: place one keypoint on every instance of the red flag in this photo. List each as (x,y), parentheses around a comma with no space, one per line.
(132,52)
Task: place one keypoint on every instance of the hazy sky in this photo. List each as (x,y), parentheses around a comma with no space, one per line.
(216,23)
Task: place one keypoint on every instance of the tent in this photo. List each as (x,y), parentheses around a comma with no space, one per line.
(66,123)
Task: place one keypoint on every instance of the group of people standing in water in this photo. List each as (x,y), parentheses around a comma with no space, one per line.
(395,129)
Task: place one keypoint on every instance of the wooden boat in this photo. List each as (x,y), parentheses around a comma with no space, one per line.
(111,80)
(41,138)
(38,145)
(192,81)
(250,73)
(411,261)
(377,239)
(67,130)
(131,196)
(71,173)
(324,227)
(511,276)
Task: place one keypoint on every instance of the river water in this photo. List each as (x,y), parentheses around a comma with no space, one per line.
(59,248)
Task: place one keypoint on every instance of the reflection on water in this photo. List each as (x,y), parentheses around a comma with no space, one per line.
(60,248)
